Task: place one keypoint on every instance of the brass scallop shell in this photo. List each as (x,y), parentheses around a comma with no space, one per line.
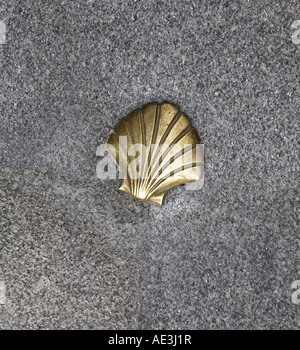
(155,147)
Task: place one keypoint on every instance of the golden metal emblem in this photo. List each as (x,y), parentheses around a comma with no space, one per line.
(156,149)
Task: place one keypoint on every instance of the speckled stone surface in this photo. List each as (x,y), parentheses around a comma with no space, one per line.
(77,253)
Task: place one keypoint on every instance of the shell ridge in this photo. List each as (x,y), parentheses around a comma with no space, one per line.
(156,182)
(164,136)
(146,142)
(170,127)
(128,160)
(170,161)
(153,155)
(179,137)
(142,163)
(154,136)
(164,155)
(134,161)
(182,134)
(173,172)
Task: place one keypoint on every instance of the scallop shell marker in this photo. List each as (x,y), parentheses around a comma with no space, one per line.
(155,147)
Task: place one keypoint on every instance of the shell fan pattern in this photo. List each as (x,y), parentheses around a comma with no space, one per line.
(155,147)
